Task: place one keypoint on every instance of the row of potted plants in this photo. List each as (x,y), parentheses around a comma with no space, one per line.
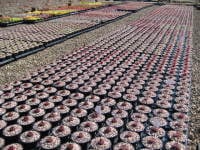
(50,31)
(6,20)
(41,15)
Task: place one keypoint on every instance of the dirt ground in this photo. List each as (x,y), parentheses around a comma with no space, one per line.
(194,134)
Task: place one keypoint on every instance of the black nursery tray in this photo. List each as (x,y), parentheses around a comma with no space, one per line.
(7,24)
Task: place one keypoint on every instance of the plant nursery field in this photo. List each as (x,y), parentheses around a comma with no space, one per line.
(129,83)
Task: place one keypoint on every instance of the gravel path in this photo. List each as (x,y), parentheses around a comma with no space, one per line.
(15,70)
(195,107)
